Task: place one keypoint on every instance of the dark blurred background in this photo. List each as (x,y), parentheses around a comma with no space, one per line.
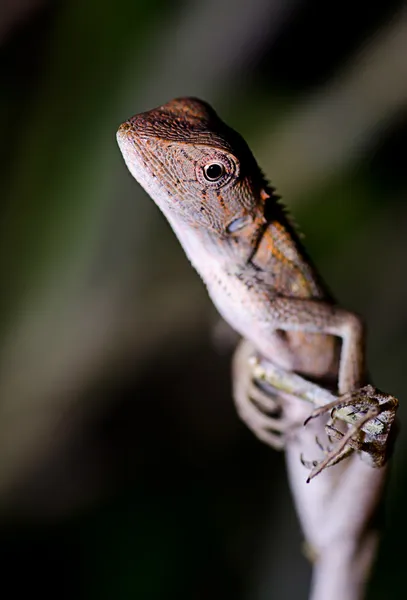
(124,470)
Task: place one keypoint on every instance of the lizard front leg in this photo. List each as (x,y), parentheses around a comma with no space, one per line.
(369,412)
(316,316)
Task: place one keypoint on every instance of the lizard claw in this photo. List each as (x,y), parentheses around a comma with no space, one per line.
(308,464)
(321,445)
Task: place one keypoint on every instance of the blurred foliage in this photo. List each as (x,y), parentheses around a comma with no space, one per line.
(124,471)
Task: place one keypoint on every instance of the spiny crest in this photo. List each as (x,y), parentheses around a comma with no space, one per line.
(276,209)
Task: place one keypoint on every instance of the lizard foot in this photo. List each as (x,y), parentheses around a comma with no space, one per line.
(370,414)
(261,411)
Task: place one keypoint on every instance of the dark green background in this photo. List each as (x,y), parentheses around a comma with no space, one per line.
(124,470)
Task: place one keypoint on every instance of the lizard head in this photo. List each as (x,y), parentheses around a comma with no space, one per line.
(194,166)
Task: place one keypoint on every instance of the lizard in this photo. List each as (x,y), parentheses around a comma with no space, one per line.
(299,346)
(241,240)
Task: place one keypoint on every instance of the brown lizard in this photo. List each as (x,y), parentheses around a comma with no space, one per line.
(238,236)
(298,345)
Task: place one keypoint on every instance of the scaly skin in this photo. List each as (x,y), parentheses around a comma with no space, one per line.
(237,235)
(239,238)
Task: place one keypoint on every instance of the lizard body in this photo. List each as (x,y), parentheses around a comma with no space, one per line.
(296,338)
(238,236)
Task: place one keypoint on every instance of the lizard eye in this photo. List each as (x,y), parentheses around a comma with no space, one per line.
(216,169)
(213,171)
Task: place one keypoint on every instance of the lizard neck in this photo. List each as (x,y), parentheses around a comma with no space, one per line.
(268,251)
(204,249)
